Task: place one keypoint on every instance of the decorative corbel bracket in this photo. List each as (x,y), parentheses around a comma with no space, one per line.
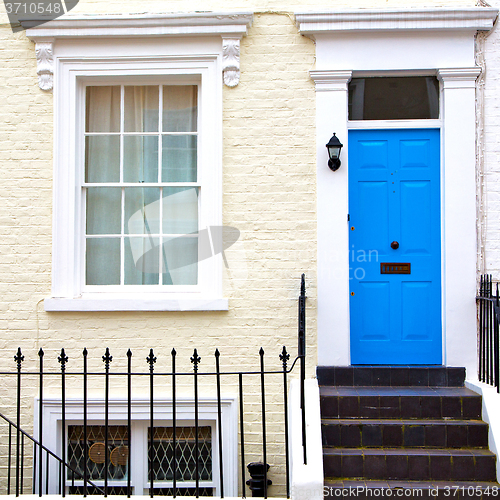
(45,64)
(231,61)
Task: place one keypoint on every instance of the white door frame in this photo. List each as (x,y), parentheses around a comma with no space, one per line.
(360,43)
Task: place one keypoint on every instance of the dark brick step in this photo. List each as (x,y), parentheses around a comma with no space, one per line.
(409,464)
(393,376)
(400,402)
(354,433)
(441,490)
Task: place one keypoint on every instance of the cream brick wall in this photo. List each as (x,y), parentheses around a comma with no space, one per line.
(269,187)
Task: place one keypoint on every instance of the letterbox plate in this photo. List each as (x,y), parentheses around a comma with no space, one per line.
(395,268)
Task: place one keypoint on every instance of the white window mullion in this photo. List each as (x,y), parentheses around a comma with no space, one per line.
(83,244)
(122,241)
(160,156)
(122,127)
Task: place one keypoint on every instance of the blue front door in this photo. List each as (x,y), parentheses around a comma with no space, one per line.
(395,246)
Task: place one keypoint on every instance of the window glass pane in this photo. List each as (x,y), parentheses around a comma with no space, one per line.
(103,109)
(179,158)
(103,261)
(140,158)
(180,108)
(185,453)
(142,261)
(104,210)
(180,210)
(142,210)
(180,260)
(141,108)
(399,98)
(117,452)
(102,158)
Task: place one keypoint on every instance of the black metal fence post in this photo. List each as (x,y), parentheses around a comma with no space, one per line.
(18,358)
(40,425)
(129,420)
(284,357)
(107,358)
(302,355)
(151,359)
(219,418)
(174,425)
(22,463)
(263,399)
(63,359)
(195,359)
(242,435)
(9,460)
(85,436)
(490,331)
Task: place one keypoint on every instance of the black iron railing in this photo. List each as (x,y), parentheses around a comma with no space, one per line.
(488,301)
(74,469)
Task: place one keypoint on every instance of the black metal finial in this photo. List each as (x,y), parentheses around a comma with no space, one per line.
(63,359)
(19,358)
(174,352)
(284,357)
(195,359)
(41,353)
(261,352)
(129,354)
(217,353)
(107,358)
(303,284)
(151,359)
(85,352)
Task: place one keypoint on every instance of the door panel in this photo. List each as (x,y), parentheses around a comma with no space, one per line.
(394,196)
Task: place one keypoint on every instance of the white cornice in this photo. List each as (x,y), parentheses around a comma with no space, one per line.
(472,18)
(326,80)
(229,24)
(459,78)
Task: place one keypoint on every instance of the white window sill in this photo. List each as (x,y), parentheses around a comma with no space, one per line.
(135,304)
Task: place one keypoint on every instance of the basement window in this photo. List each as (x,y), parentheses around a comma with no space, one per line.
(121,463)
(394,98)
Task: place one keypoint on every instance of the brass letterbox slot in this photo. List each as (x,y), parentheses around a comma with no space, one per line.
(395,268)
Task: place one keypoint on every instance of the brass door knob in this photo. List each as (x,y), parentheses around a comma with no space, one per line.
(394,245)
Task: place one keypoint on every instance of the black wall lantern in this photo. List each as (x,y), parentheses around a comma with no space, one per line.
(334,147)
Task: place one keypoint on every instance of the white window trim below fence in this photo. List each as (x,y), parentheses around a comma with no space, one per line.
(140,410)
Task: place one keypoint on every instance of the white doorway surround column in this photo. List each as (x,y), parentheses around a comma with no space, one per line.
(333,229)
(459,216)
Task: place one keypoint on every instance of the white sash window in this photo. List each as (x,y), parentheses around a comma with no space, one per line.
(141,188)
(138,158)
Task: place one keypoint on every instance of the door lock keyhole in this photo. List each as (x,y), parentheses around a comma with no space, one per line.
(394,245)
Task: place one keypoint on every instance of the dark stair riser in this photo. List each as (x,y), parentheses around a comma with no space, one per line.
(405,407)
(444,465)
(440,490)
(391,376)
(411,433)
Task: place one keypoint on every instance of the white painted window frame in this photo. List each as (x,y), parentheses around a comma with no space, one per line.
(68,290)
(52,432)
(75,50)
